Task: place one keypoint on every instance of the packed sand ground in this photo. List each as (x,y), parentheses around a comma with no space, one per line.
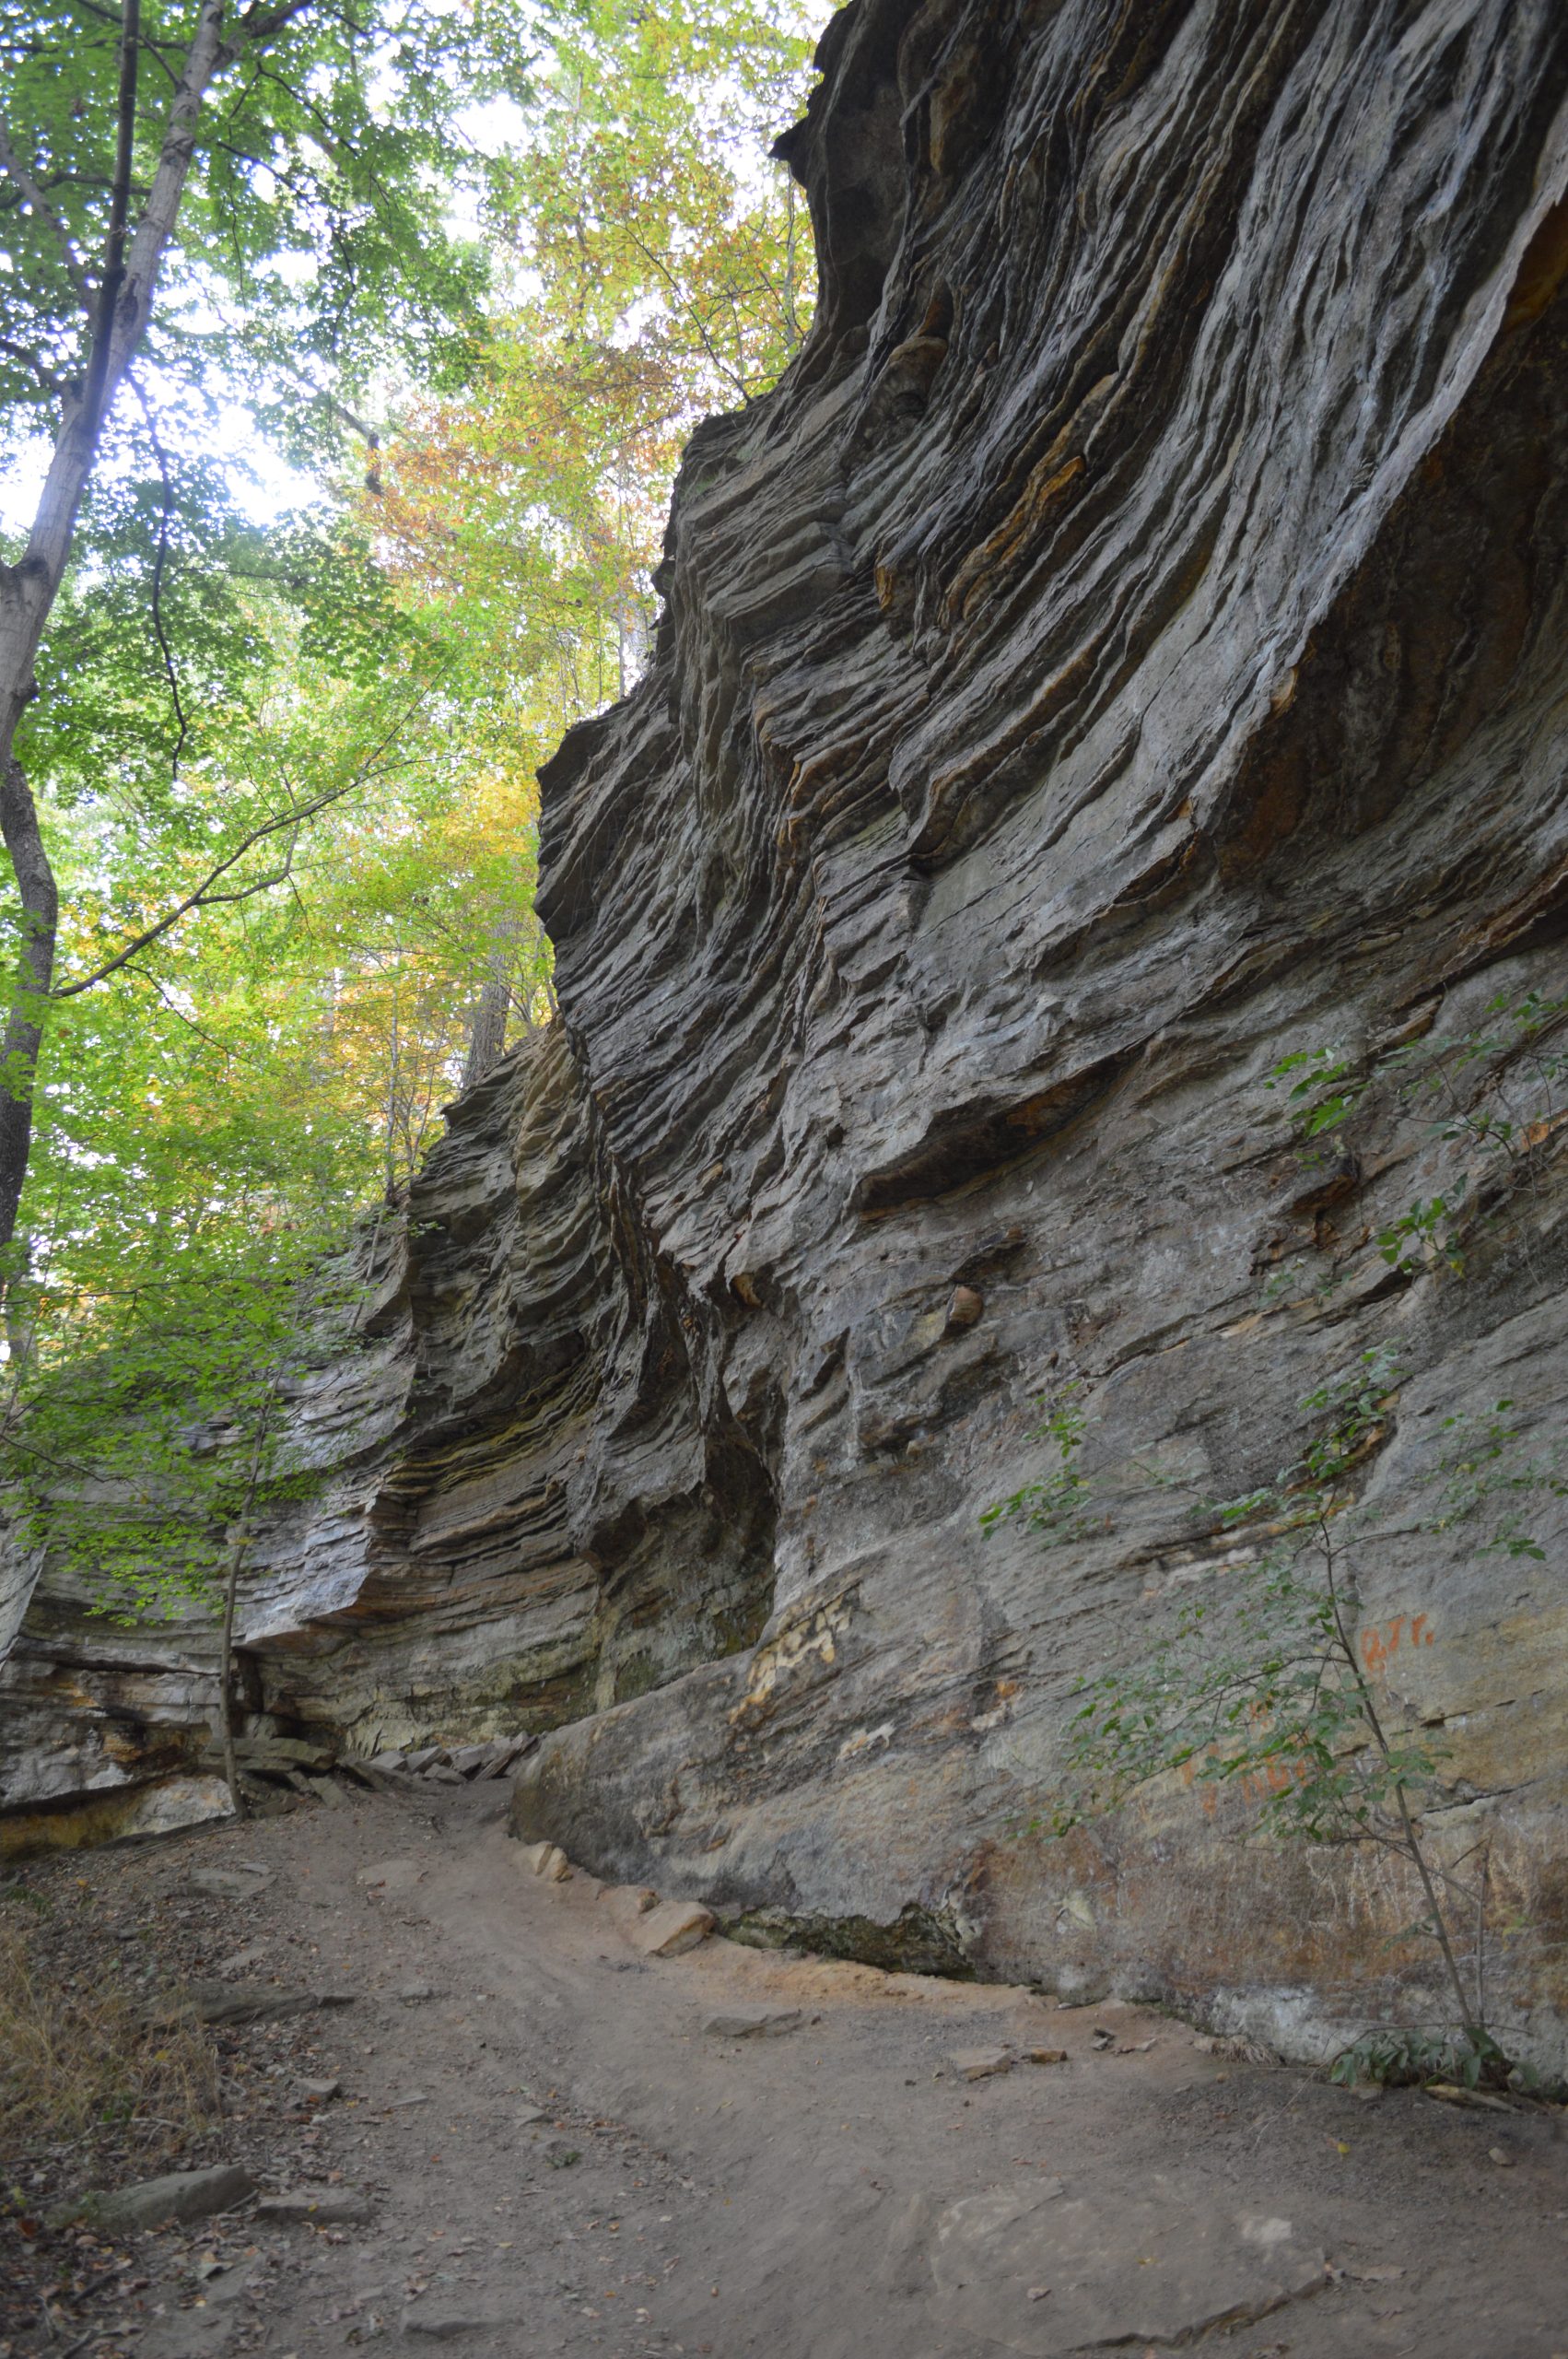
(554,2150)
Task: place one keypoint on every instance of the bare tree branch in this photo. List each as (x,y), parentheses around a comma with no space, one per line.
(46,377)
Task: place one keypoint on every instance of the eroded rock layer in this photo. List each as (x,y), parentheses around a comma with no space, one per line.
(1128,649)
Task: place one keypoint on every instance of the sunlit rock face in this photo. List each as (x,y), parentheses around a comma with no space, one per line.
(1126,650)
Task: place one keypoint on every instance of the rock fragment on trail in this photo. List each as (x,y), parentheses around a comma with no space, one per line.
(754,2023)
(154,2203)
(980,2063)
(671,1929)
(546,1861)
(229,2003)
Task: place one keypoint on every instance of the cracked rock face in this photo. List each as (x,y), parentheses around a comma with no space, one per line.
(1128,649)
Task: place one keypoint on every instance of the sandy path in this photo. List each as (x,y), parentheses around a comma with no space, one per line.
(838,2192)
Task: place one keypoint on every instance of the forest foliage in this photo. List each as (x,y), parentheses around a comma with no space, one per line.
(371,518)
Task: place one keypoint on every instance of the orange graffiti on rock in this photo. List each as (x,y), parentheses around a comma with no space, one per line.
(1381,1642)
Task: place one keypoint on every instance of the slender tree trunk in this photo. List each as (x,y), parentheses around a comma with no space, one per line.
(29,991)
(238,1550)
(487,1030)
(226,1675)
(120,307)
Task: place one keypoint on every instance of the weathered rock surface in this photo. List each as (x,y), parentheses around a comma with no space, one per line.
(1128,649)
(178,2195)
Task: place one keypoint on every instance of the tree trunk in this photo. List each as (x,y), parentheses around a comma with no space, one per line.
(487,1030)
(226,1676)
(29,991)
(28,590)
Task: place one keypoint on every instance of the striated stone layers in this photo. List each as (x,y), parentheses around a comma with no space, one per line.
(1128,649)
(524,1510)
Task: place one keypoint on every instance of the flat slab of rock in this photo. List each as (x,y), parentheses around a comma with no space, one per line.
(178,2195)
(1036,2272)
(229,2002)
(325,2207)
(979,2063)
(671,1927)
(280,1753)
(754,2023)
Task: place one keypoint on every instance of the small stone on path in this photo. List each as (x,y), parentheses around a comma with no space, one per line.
(178,2195)
(673,1927)
(546,1861)
(980,2063)
(754,2023)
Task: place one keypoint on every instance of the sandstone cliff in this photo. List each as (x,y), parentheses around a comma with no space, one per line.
(1126,649)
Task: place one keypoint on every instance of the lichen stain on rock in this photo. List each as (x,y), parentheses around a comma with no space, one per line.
(1127,646)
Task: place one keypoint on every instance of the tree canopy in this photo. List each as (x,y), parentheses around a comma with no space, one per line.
(347,357)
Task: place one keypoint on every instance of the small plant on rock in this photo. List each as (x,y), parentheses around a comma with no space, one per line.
(1260,1684)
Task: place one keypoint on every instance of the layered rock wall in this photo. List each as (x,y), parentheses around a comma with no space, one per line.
(1126,650)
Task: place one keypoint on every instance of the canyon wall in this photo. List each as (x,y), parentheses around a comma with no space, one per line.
(1126,650)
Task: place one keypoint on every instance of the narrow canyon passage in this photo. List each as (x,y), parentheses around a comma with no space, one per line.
(542,2140)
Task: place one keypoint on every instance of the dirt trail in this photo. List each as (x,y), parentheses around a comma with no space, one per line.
(839,2192)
